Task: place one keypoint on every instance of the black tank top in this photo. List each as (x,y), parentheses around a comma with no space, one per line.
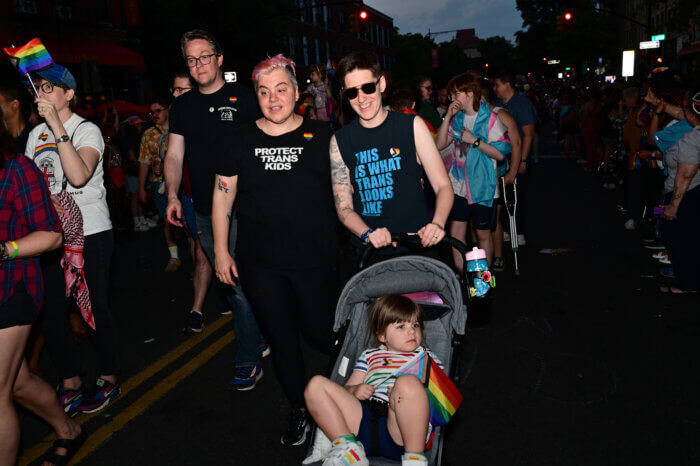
(385,173)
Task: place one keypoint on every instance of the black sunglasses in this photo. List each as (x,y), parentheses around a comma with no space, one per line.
(367,88)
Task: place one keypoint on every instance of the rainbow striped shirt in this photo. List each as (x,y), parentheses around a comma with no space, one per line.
(380,363)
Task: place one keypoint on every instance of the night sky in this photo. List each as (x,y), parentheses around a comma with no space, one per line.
(488,17)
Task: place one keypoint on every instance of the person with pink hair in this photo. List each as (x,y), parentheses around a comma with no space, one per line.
(285,252)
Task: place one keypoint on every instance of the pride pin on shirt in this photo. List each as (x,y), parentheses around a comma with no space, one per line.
(308,136)
(394,151)
(233,99)
(43,136)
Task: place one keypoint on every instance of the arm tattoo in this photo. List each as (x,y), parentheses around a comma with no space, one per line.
(339,171)
(340,179)
(221,185)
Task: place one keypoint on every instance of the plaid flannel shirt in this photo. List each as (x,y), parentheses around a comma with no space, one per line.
(25,206)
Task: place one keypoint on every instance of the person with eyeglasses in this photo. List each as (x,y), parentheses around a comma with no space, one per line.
(68,150)
(202,123)
(377,162)
(426,110)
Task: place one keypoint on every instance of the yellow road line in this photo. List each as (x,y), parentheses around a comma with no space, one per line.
(31,454)
(151,396)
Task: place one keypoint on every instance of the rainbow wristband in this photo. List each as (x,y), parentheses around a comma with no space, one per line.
(14,245)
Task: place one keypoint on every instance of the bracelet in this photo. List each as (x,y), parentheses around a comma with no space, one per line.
(14,245)
(365,236)
(438,225)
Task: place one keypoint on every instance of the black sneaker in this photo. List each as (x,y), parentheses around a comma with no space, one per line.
(194,323)
(299,427)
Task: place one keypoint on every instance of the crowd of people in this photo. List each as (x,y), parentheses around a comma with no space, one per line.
(352,158)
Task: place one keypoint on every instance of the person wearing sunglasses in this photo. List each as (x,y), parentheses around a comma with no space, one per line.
(377,162)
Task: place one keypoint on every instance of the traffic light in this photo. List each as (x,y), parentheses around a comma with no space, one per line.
(568,16)
(564,20)
(363,23)
(353,24)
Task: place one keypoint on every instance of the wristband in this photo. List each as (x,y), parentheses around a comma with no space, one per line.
(14,245)
(365,236)
(476,143)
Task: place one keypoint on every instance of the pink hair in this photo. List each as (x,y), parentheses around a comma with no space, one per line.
(273,63)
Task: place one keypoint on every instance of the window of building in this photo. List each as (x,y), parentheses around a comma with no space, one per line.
(26,6)
(305,47)
(317,52)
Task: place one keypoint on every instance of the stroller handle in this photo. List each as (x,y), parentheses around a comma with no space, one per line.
(412,241)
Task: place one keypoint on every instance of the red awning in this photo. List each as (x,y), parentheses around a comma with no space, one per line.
(124,108)
(74,51)
(690,49)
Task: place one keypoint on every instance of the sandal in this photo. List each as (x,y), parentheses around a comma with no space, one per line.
(71,446)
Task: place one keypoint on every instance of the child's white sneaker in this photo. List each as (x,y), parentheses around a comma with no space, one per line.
(319,449)
(413,459)
(345,453)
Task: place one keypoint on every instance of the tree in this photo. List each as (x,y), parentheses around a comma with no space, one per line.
(498,52)
(412,55)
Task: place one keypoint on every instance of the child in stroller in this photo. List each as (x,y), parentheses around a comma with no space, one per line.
(401,403)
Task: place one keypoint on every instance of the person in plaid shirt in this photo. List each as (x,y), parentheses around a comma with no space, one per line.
(29,226)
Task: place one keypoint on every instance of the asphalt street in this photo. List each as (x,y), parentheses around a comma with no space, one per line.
(578,361)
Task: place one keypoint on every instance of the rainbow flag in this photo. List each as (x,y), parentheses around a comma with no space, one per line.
(30,57)
(443,395)
(331,68)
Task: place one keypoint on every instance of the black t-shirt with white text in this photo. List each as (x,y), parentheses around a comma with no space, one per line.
(286,215)
(207,122)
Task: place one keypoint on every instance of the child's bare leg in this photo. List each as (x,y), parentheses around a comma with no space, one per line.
(336,411)
(409,413)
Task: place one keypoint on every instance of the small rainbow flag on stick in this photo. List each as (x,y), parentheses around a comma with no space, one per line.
(443,395)
(30,57)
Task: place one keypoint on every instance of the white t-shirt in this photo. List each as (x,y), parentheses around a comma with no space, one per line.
(495,133)
(92,197)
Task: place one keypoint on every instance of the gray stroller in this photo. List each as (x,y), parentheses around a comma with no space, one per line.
(445,322)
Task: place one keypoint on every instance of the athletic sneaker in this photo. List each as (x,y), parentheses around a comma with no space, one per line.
(497,265)
(265,349)
(194,322)
(245,378)
(70,399)
(660,254)
(413,459)
(346,453)
(150,223)
(140,227)
(521,240)
(320,448)
(102,394)
(173,265)
(299,426)
(225,311)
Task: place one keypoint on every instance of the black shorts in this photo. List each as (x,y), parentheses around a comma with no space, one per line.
(19,309)
(484,218)
(386,445)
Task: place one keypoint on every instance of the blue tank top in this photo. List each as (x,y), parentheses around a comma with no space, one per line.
(385,173)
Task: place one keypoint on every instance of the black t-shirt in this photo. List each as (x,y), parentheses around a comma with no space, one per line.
(385,173)
(286,216)
(130,142)
(207,122)
(21,140)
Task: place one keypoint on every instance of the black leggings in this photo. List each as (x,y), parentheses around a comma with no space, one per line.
(59,338)
(287,303)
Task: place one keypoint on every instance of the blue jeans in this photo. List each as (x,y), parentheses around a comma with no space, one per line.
(244,324)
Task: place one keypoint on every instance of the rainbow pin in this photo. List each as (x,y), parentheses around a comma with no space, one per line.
(43,136)
(394,151)
(233,99)
(308,136)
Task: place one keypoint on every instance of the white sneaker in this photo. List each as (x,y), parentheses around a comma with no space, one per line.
(506,236)
(630,225)
(521,240)
(412,459)
(140,227)
(319,449)
(346,453)
(149,223)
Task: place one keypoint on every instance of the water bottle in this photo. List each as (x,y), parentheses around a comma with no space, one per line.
(480,279)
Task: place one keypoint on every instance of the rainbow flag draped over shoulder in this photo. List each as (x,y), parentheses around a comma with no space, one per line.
(443,395)
(30,57)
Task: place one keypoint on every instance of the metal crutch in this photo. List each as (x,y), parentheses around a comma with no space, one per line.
(511,207)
